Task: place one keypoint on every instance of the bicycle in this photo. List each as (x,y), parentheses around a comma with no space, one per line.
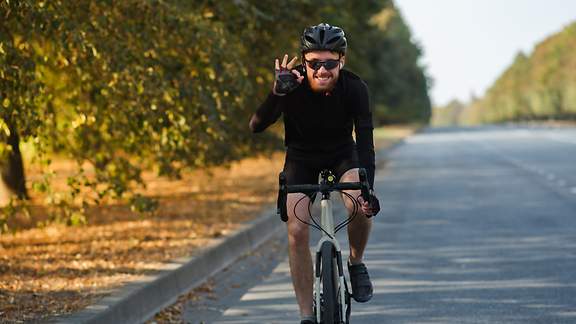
(331,296)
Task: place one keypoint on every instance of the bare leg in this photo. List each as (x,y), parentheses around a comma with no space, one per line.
(299,252)
(359,228)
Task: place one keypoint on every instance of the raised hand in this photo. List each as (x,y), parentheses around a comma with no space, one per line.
(287,79)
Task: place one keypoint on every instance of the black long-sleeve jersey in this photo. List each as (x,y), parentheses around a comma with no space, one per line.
(321,123)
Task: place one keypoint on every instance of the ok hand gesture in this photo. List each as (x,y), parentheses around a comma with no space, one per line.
(286,79)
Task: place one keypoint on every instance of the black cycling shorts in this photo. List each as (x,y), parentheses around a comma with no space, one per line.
(304,168)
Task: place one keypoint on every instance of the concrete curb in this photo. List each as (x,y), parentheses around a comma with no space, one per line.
(138,301)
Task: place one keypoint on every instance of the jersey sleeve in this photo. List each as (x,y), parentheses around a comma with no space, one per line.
(267,114)
(364,129)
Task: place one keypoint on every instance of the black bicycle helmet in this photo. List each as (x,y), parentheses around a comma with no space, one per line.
(323,37)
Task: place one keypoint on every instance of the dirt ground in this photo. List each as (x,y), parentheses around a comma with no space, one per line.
(55,270)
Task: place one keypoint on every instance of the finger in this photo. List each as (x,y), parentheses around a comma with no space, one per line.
(299,77)
(284,60)
(367,211)
(291,63)
(277,64)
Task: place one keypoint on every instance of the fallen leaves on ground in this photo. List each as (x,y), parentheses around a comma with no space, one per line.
(56,270)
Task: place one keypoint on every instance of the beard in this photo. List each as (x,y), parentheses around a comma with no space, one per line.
(323,82)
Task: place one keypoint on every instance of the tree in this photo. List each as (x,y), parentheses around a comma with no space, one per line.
(536,86)
(120,87)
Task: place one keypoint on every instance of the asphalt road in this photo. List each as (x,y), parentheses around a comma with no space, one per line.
(477,226)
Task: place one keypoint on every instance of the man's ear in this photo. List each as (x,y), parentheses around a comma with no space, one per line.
(342,61)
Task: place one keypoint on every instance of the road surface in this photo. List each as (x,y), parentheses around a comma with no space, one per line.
(477,226)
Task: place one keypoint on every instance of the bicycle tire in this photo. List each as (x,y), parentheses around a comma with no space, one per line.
(329,308)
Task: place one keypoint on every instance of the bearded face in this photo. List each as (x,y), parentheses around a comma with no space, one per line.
(324,78)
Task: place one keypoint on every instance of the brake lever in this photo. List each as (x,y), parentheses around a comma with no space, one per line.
(365,190)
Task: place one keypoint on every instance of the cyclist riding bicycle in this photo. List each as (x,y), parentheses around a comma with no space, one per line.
(321,104)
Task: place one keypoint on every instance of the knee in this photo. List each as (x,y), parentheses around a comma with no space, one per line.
(298,235)
(351,202)
(297,212)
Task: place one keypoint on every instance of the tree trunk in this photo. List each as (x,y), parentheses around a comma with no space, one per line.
(13,182)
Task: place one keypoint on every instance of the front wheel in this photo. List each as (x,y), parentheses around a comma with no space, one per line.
(330,312)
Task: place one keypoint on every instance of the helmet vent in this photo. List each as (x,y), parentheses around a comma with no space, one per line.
(322,32)
(333,40)
(310,39)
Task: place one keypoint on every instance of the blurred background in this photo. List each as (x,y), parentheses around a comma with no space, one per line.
(118,88)
(496,61)
(167,86)
(111,111)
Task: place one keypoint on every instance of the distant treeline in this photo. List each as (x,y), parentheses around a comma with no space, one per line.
(169,85)
(535,87)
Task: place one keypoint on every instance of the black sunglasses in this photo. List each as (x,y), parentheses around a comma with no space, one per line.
(328,64)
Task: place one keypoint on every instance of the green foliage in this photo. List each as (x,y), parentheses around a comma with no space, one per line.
(535,87)
(169,85)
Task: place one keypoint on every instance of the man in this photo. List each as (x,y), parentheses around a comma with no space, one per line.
(322,103)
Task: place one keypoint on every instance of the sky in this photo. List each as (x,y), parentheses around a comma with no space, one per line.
(468,43)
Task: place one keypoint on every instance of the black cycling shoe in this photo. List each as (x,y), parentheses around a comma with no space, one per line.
(360,282)
(307,322)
